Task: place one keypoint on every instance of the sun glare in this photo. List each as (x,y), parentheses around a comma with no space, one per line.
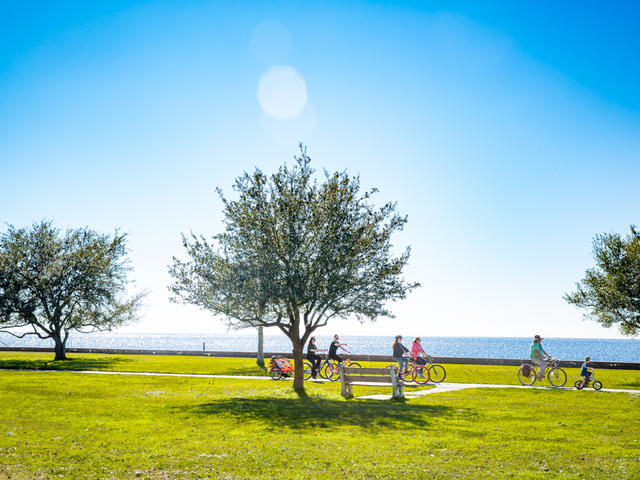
(282,92)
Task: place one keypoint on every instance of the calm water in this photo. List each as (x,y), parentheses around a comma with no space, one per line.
(479,347)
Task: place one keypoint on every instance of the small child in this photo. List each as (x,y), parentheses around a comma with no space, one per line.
(585,371)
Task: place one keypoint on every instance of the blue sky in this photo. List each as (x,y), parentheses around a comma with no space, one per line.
(509,134)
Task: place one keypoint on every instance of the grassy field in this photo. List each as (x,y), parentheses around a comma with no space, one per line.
(627,379)
(71,426)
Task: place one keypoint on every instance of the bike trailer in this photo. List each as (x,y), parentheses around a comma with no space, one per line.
(282,364)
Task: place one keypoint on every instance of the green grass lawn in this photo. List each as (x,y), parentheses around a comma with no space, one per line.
(627,379)
(71,426)
(132,363)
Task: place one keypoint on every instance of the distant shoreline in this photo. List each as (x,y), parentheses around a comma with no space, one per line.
(605,350)
(366,358)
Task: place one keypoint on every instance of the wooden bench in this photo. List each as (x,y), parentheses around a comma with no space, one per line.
(350,376)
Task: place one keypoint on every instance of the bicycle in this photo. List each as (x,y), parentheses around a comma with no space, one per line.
(422,374)
(332,370)
(528,373)
(417,372)
(437,372)
(580,384)
(308,369)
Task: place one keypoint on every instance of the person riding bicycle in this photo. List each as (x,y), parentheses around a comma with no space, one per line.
(333,349)
(585,371)
(538,356)
(313,356)
(416,350)
(398,354)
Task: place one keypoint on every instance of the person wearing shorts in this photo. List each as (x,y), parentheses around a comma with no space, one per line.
(538,355)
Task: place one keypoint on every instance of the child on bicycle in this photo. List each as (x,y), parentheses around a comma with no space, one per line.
(585,371)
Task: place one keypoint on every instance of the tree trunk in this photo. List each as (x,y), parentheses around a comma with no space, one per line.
(61,347)
(298,363)
(260,347)
(298,359)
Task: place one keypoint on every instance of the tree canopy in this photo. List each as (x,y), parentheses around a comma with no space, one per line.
(295,253)
(611,290)
(51,284)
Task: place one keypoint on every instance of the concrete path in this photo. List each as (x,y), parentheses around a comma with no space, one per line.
(437,387)
(452,387)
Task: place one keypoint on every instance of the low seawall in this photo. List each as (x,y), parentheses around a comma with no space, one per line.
(364,358)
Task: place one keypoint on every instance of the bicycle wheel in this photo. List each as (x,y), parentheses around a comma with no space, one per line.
(321,369)
(275,374)
(307,369)
(355,364)
(597,385)
(408,375)
(578,384)
(557,377)
(331,371)
(421,374)
(527,380)
(437,373)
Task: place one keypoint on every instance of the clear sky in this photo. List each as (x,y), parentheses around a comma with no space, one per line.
(509,133)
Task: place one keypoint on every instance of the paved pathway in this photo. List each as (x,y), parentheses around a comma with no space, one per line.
(437,388)
(451,387)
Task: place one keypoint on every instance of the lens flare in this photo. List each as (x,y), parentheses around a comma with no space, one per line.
(282,92)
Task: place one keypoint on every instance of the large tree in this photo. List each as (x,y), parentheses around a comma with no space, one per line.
(53,283)
(295,253)
(611,290)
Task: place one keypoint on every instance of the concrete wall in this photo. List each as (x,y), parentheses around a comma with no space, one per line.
(364,358)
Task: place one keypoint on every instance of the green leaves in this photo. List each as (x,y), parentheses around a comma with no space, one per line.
(296,252)
(611,290)
(55,283)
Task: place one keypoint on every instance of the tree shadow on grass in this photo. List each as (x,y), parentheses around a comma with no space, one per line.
(101,363)
(631,385)
(309,412)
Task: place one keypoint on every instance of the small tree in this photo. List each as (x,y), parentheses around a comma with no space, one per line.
(51,284)
(295,253)
(611,290)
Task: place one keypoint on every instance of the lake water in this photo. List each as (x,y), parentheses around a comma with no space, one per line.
(606,350)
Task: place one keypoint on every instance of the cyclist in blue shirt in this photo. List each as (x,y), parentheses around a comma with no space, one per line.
(585,371)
